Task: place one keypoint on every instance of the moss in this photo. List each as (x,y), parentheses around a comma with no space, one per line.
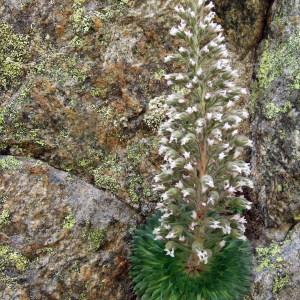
(96,238)
(280,282)
(9,163)
(13,54)
(69,222)
(280,59)
(11,258)
(272,111)
(4,218)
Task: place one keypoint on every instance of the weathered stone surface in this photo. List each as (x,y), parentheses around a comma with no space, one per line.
(276,128)
(60,238)
(277,274)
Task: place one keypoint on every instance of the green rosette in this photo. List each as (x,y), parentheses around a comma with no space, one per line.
(157,276)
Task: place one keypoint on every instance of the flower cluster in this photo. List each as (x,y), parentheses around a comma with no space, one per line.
(203,176)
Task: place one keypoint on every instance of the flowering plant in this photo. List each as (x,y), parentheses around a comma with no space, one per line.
(200,227)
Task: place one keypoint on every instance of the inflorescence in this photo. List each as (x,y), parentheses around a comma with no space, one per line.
(203,176)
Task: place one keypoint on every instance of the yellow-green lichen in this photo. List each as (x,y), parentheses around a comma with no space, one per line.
(9,163)
(272,111)
(278,60)
(96,238)
(115,9)
(4,218)
(108,175)
(280,282)
(269,257)
(11,258)
(156,113)
(69,222)
(13,54)
(81,22)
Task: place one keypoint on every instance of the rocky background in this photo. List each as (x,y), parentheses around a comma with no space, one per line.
(81,92)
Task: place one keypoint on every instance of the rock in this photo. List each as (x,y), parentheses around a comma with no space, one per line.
(60,238)
(276,128)
(277,273)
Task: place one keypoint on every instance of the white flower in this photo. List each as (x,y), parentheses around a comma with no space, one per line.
(202,25)
(169,58)
(210,5)
(170,235)
(193,225)
(156,231)
(199,72)
(226,126)
(202,255)
(217,116)
(230,104)
(170,252)
(215,225)
(182,25)
(200,2)
(192,62)
(185,193)
(158,237)
(209,116)
(210,142)
(188,33)
(179,77)
(186,154)
(174,31)
(159,187)
(182,50)
(244,91)
(179,9)
(231,190)
(181,238)
(235,132)
(189,167)
(222,244)
(179,185)
(222,155)
(189,110)
(170,82)
(226,229)
(189,85)
(160,205)
(194,215)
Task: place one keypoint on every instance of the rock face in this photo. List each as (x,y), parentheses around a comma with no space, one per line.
(277,275)
(276,127)
(60,238)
